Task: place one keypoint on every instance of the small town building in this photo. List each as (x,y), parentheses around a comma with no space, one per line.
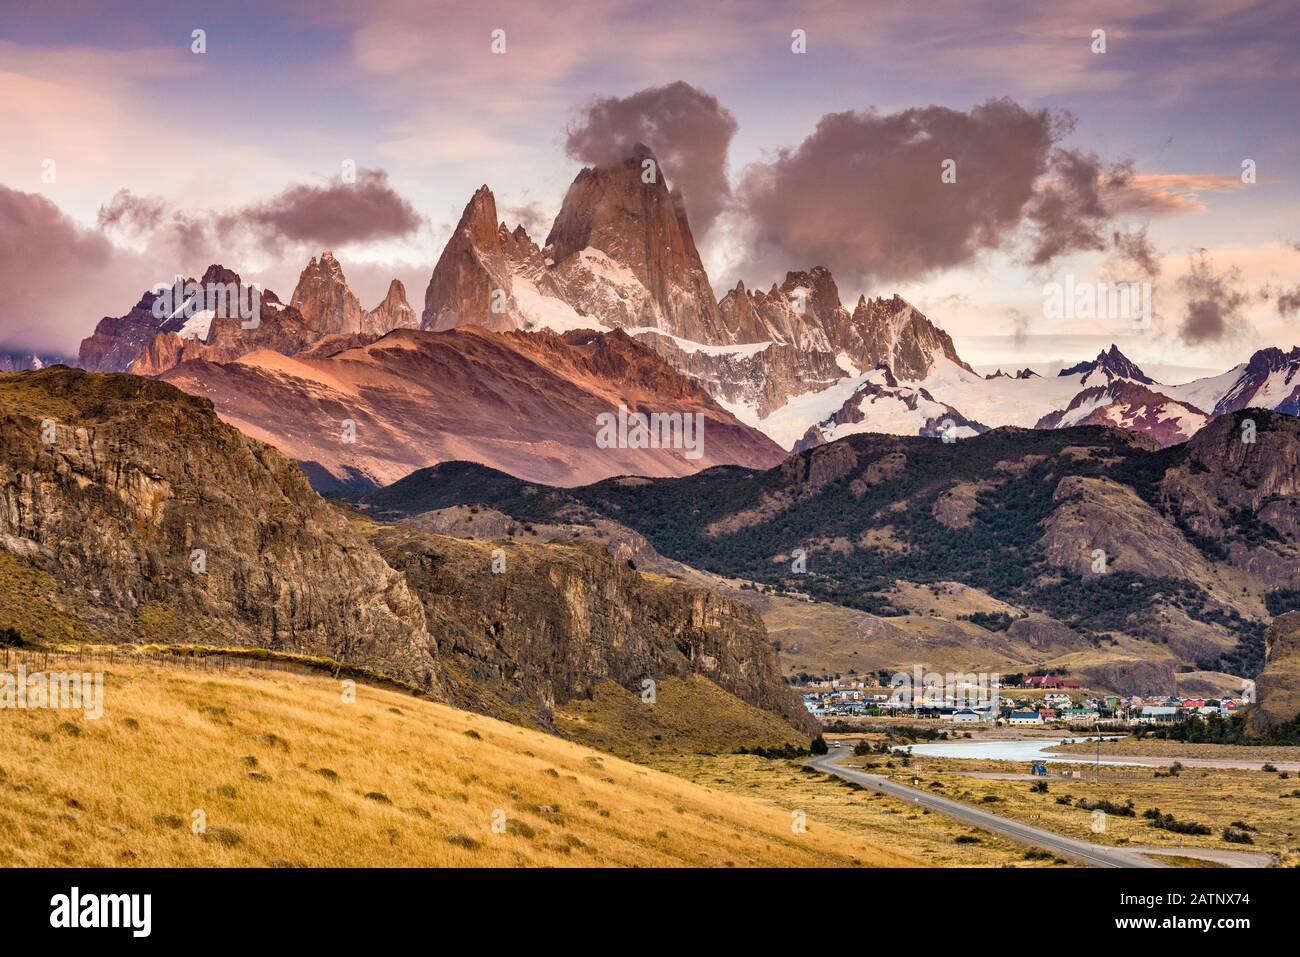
(1158,714)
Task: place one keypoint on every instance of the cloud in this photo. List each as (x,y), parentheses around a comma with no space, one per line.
(1161,194)
(331,215)
(1067,214)
(1288,301)
(58,277)
(687,129)
(1135,250)
(301,216)
(1215,303)
(533,216)
(862,194)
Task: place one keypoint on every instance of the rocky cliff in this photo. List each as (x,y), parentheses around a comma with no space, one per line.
(324,299)
(393,313)
(179,527)
(623,217)
(1277,689)
(1238,491)
(471,283)
(554,621)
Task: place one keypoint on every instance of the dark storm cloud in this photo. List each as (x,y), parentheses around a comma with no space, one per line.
(1215,303)
(686,128)
(329,215)
(863,193)
(58,278)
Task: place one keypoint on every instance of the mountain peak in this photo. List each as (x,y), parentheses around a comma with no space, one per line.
(1113,364)
(471,271)
(620,220)
(894,333)
(394,312)
(324,299)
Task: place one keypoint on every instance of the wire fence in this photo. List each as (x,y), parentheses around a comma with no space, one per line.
(38,660)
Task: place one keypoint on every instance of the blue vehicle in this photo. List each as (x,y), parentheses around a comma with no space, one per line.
(1039,769)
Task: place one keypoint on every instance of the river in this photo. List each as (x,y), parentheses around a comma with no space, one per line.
(1024,749)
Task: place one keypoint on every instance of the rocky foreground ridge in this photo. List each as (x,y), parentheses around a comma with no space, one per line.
(157,521)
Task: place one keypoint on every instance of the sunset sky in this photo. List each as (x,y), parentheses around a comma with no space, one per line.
(786,160)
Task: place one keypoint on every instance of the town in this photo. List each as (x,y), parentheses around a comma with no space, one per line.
(1015,700)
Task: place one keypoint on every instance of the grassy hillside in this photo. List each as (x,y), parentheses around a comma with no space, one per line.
(288,774)
(690,715)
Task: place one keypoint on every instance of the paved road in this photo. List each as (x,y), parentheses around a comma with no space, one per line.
(1094,855)
(1217,855)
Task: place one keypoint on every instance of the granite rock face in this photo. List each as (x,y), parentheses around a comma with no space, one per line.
(166,517)
(557,620)
(323,298)
(471,284)
(1277,688)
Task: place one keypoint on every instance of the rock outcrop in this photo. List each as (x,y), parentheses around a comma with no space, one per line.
(554,621)
(323,298)
(471,284)
(393,313)
(1238,490)
(1277,689)
(1099,513)
(178,527)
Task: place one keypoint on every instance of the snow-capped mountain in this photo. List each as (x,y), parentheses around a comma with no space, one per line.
(1270,380)
(1127,404)
(792,361)
(322,309)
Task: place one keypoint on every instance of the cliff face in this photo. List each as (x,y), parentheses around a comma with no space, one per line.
(471,273)
(1244,496)
(393,313)
(324,299)
(557,620)
(613,220)
(1278,686)
(140,476)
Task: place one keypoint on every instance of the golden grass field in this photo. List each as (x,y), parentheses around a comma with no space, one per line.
(1212,797)
(886,821)
(689,715)
(286,773)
